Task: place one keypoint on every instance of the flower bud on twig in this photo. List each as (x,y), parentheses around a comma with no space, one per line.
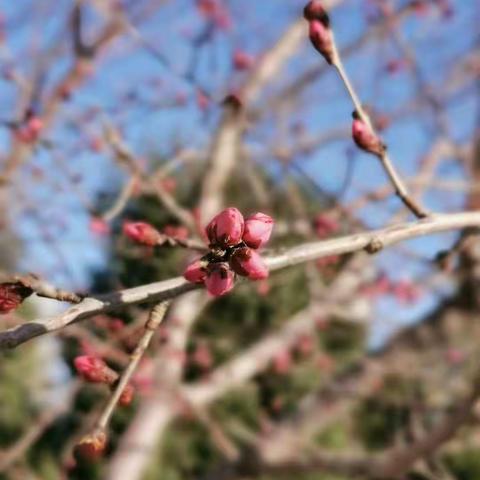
(94,370)
(91,446)
(258,229)
(248,263)
(226,228)
(365,138)
(12,295)
(142,232)
(219,279)
(320,32)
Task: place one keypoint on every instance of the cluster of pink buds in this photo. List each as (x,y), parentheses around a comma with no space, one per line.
(404,291)
(233,250)
(320,32)
(94,370)
(12,295)
(364,136)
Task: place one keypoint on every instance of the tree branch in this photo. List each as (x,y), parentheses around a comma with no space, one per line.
(372,242)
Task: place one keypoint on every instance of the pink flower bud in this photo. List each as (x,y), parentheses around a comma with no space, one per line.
(421,7)
(258,228)
(196,272)
(263,288)
(242,60)
(406,292)
(126,397)
(219,279)
(30,130)
(226,228)
(93,369)
(454,356)
(321,38)
(142,232)
(319,29)
(35,125)
(365,138)
(12,295)
(325,225)
(98,226)
(282,363)
(249,263)
(202,357)
(91,446)
(215,12)
(116,324)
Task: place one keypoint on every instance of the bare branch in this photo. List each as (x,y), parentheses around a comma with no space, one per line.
(370,241)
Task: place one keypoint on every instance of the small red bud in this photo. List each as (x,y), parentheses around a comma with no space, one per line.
(321,38)
(91,446)
(12,295)
(325,225)
(99,226)
(126,397)
(226,228)
(94,369)
(258,229)
(196,272)
(248,263)
(319,29)
(282,363)
(365,138)
(242,60)
(220,279)
(142,232)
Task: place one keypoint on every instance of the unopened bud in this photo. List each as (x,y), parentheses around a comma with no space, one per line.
(91,446)
(226,228)
(93,369)
(12,295)
(142,232)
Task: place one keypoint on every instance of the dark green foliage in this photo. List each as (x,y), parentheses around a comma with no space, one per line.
(465,465)
(383,415)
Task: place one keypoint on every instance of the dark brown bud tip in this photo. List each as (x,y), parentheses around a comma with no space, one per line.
(233,101)
(315,11)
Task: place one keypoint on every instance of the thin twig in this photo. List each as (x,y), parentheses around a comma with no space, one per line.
(156,317)
(387,164)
